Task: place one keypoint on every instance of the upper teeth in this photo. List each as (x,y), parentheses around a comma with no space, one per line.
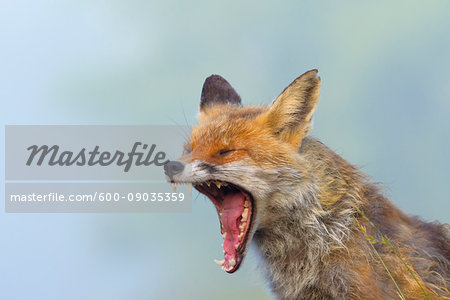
(219,184)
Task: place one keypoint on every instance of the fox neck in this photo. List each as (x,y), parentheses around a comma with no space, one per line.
(297,232)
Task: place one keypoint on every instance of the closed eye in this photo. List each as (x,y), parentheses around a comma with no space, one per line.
(226,152)
(187,147)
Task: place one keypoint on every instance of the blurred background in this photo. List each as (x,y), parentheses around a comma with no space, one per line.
(384,106)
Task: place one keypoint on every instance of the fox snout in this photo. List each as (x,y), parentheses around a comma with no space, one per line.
(172,168)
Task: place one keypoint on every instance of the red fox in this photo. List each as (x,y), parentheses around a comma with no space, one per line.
(320,227)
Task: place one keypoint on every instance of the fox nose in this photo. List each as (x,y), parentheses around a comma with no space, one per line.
(172,168)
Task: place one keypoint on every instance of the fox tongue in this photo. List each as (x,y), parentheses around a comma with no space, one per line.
(232,208)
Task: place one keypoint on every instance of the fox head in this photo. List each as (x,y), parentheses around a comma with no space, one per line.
(244,159)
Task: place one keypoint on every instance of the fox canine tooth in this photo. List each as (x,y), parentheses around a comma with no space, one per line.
(174,188)
(190,189)
(232,262)
(219,262)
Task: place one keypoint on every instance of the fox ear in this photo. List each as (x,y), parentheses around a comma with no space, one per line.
(290,116)
(216,90)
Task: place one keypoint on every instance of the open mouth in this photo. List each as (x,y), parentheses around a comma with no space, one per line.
(235,209)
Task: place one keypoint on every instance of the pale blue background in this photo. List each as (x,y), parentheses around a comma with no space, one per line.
(385,106)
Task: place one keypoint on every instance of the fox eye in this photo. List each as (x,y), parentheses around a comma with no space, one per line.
(187,149)
(226,152)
